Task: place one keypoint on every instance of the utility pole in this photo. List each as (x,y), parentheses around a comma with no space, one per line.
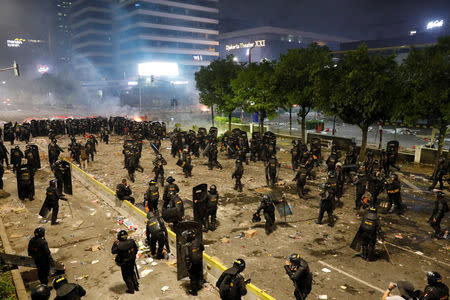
(140,93)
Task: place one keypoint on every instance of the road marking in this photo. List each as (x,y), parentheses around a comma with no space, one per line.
(421,255)
(352,277)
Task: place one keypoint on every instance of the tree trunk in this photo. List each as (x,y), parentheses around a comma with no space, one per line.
(229,122)
(262,115)
(212,115)
(442,132)
(334,125)
(303,115)
(362,152)
(290,121)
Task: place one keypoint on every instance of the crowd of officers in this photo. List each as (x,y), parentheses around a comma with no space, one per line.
(370,178)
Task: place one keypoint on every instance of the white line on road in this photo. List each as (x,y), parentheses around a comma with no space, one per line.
(352,277)
(421,255)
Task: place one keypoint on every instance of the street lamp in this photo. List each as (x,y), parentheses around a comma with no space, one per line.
(249,53)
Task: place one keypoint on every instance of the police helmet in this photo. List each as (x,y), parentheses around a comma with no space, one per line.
(373,209)
(152,182)
(294,259)
(433,278)
(159,156)
(39,232)
(170,179)
(394,176)
(188,235)
(59,282)
(331,174)
(122,235)
(266,198)
(239,264)
(41,292)
(52,182)
(213,188)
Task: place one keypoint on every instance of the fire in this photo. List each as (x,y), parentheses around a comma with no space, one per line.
(204,108)
(137,119)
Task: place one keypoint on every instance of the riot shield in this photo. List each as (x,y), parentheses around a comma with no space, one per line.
(199,197)
(206,150)
(180,163)
(25,178)
(180,242)
(67,177)
(37,159)
(392,150)
(26,261)
(357,241)
(284,209)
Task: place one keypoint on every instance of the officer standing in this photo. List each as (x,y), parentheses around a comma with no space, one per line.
(300,178)
(156,232)
(327,205)
(370,229)
(3,153)
(67,291)
(2,170)
(187,163)
(151,197)
(51,202)
(212,157)
(360,186)
(269,213)
(39,251)
(53,152)
(126,250)
(237,175)
(394,191)
(193,253)
(211,207)
(170,187)
(123,191)
(435,290)
(298,271)
(376,185)
(16,157)
(272,167)
(439,210)
(441,170)
(159,164)
(231,283)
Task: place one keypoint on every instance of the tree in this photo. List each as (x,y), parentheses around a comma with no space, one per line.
(213,82)
(254,88)
(364,89)
(295,76)
(427,76)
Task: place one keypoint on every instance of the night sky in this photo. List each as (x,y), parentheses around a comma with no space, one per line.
(356,19)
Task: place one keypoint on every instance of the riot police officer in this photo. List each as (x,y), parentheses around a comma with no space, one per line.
(298,271)
(327,205)
(435,290)
(3,153)
(39,251)
(51,202)
(126,250)
(300,178)
(369,230)
(272,167)
(151,197)
(394,191)
(441,170)
(439,210)
(269,213)
(16,157)
(53,152)
(237,175)
(123,191)
(360,186)
(211,207)
(193,251)
(376,185)
(170,187)
(67,291)
(231,283)
(156,232)
(333,159)
(187,163)
(2,170)
(159,164)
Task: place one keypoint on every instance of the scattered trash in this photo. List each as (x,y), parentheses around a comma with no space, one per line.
(250,233)
(225,240)
(16,235)
(239,235)
(73,262)
(94,248)
(418,253)
(146,272)
(324,297)
(164,288)
(108,215)
(295,236)
(95,261)
(154,263)
(343,287)
(399,236)
(77,223)
(326,270)
(81,277)
(54,250)
(245,224)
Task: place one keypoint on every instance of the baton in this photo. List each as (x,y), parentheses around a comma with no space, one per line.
(70,208)
(385,248)
(136,269)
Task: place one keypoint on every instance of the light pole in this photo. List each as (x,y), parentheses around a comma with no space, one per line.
(250,54)
(140,93)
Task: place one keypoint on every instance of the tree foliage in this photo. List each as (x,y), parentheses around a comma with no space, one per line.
(253,87)
(295,75)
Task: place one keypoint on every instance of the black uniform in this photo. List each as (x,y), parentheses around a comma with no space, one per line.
(170,188)
(159,164)
(126,258)
(51,202)
(300,178)
(3,153)
(70,291)
(394,191)
(271,171)
(187,164)
(269,214)
(376,185)
(2,170)
(439,210)
(237,175)
(231,285)
(332,160)
(302,279)
(438,175)
(360,186)
(327,205)
(25,182)
(156,232)
(16,158)
(151,198)
(212,202)
(123,192)
(212,158)
(53,152)
(39,251)
(370,229)
(438,291)
(194,255)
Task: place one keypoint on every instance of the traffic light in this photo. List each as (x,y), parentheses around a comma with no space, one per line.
(16,69)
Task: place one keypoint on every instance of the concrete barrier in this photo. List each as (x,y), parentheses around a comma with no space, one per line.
(211,266)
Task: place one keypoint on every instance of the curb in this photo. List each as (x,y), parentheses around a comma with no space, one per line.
(17,278)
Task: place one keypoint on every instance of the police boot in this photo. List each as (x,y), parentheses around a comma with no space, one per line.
(240,188)
(212,227)
(330,220)
(319,218)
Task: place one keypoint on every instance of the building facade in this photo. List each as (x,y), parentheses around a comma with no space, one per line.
(269,42)
(60,40)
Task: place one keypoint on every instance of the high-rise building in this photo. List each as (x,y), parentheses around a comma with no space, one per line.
(181,31)
(60,40)
(91,41)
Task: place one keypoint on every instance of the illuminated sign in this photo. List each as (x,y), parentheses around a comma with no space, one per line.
(158,69)
(198,57)
(42,68)
(258,43)
(435,23)
(17,42)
